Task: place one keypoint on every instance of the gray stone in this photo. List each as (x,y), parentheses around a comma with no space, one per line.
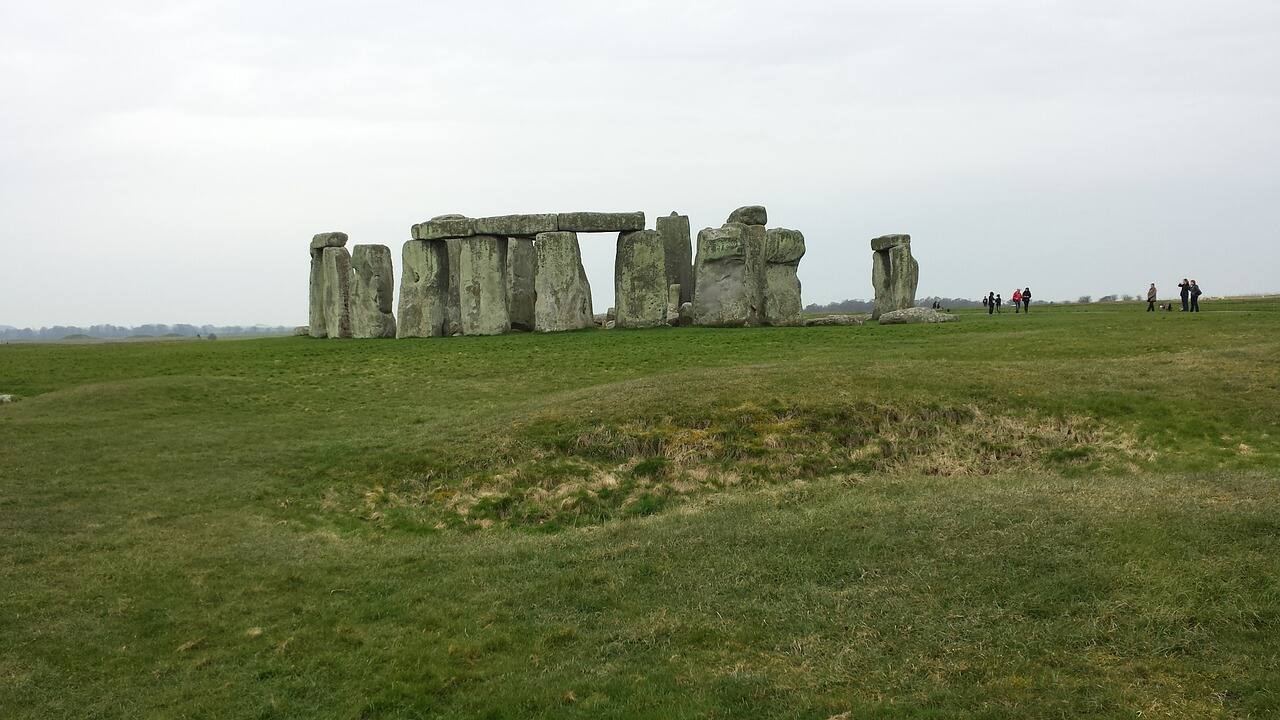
(372,292)
(749,215)
(516,225)
(673,304)
(836,320)
(315,296)
(563,292)
(884,242)
(302,330)
(782,252)
(424,289)
(611,313)
(453,307)
(589,222)
(611,324)
(725,291)
(482,285)
(640,280)
(522,269)
(6,399)
(678,247)
(335,279)
(686,313)
(915,315)
(329,239)
(444,226)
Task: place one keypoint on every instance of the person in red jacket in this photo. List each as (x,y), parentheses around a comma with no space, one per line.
(1017,300)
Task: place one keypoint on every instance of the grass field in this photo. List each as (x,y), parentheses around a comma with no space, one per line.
(1074,513)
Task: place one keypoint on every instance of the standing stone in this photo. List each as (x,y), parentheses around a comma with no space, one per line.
(783,250)
(315,298)
(676,243)
(673,304)
(640,280)
(424,286)
(522,267)
(894,274)
(453,300)
(563,295)
(756,235)
(372,287)
(722,287)
(335,271)
(749,215)
(482,285)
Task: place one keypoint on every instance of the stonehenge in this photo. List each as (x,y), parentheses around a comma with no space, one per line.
(489,275)
(894,274)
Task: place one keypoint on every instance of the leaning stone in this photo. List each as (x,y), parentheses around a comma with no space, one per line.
(424,288)
(913,315)
(676,243)
(588,222)
(335,273)
(372,292)
(563,292)
(522,269)
(836,320)
(749,215)
(884,242)
(444,226)
(724,290)
(782,252)
(516,225)
(640,280)
(482,285)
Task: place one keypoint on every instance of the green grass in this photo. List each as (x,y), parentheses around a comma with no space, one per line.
(1068,514)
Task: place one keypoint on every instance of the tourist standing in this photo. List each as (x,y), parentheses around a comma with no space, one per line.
(1151,298)
(1026,300)
(1195,297)
(1017,300)
(990,302)
(999,302)
(1184,292)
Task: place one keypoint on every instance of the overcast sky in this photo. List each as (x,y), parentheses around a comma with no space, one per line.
(169,161)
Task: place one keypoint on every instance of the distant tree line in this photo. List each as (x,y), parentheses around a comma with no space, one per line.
(866,306)
(60,332)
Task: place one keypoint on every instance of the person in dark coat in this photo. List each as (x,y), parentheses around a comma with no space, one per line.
(1184,292)
(1151,298)
(1195,297)
(999,302)
(990,302)
(1026,300)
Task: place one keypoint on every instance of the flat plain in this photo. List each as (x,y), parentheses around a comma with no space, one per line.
(1071,513)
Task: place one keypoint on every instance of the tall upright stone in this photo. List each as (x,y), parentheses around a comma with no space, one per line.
(482,285)
(372,292)
(783,250)
(335,271)
(522,270)
(678,249)
(317,327)
(894,274)
(424,287)
(724,288)
(563,294)
(640,280)
(453,300)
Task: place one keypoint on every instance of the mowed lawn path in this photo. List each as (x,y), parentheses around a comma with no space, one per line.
(1074,513)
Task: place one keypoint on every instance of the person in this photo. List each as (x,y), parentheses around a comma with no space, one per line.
(1184,292)
(984,301)
(999,302)
(1017,300)
(1195,297)
(990,302)
(1151,298)
(1026,300)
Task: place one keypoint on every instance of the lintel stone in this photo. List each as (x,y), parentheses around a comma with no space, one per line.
(516,225)
(589,222)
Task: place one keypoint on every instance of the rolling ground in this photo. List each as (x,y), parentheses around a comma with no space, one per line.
(1074,513)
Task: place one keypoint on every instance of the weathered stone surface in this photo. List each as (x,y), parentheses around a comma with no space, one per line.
(884,242)
(640,280)
(329,239)
(836,320)
(482,285)
(678,246)
(335,271)
(453,306)
(673,304)
(686,313)
(315,296)
(756,237)
(880,283)
(516,225)
(424,288)
(6,399)
(600,222)
(724,291)
(563,294)
(302,330)
(782,252)
(904,275)
(749,215)
(444,226)
(372,291)
(915,315)
(522,270)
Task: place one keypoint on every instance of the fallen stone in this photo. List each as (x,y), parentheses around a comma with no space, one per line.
(335,271)
(6,399)
(836,320)
(884,242)
(913,315)
(563,294)
(611,313)
(600,319)
(611,325)
(686,313)
(444,226)
(749,215)
(482,285)
(640,280)
(782,252)
(522,269)
(302,330)
(372,292)
(424,287)
(588,222)
(678,247)
(516,225)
